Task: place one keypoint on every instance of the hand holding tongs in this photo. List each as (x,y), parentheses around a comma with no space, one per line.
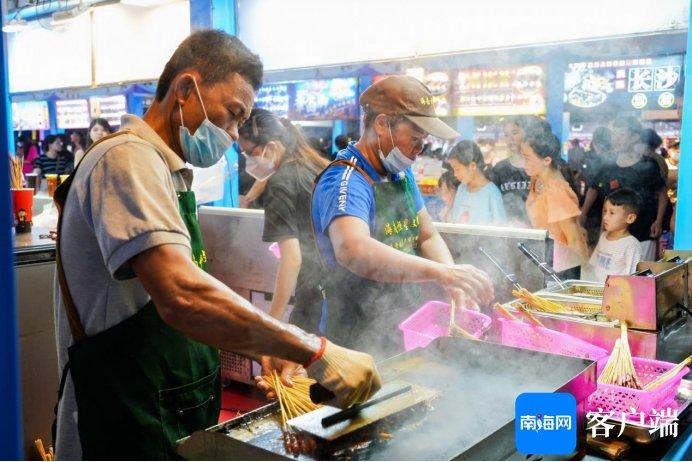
(543,266)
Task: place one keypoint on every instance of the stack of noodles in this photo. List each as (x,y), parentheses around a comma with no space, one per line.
(294,401)
(619,370)
(549,306)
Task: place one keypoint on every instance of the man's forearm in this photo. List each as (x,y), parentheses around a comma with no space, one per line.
(205,310)
(374,260)
(662,203)
(435,249)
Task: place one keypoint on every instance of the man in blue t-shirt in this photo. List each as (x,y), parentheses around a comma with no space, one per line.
(376,238)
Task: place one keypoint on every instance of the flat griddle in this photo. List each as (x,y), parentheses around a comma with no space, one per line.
(472,418)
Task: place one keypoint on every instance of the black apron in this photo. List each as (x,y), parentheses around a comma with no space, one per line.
(139,385)
(364,314)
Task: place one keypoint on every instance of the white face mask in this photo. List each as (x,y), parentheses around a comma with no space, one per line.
(260,168)
(395,161)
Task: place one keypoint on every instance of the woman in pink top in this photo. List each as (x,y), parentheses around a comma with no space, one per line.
(30,153)
(552,204)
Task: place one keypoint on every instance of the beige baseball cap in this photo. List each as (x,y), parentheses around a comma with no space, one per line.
(409,97)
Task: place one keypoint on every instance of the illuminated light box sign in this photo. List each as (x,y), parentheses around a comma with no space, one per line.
(111,108)
(500,91)
(650,83)
(274,98)
(325,99)
(30,115)
(72,113)
(440,85)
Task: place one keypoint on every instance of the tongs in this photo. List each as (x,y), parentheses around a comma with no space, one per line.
(543,266)
(511,277)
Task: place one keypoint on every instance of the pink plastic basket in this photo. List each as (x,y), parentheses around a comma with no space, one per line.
(276,250)
(527,336)
(432,321)
(622,399)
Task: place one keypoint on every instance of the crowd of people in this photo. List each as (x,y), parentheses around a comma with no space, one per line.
(54,154)
(622,187)
(625,175)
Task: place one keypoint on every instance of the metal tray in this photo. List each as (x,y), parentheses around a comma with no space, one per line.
(579,288)
(473,418)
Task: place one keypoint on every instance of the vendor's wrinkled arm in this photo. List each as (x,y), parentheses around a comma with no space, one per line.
(204,309)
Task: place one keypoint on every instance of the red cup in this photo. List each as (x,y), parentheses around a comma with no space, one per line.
(22,203)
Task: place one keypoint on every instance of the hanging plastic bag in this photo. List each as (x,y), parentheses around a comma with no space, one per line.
(208,183)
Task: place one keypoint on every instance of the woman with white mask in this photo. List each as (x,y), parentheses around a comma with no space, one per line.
(277,154)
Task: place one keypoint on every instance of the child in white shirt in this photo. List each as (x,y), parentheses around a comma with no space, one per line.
(617,252)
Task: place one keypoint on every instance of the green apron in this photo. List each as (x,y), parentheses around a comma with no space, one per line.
(365,314)
(139,385)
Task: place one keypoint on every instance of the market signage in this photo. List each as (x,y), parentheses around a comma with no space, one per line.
(440,85)
(274,98)
(30,115)
(500,91)
(650,83)
(325,99)
(111,108)
(72,113)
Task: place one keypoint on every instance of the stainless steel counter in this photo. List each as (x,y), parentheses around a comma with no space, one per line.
(35,271)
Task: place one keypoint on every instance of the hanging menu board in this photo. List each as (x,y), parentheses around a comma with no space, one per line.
(325,99)
(30,115)
(649,83)
(111,108)
(72,113)
(500,91)
(274,98)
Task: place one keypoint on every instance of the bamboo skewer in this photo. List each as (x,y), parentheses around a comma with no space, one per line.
(293,401)
(454,330)
(668,375)
(16,174)
(504,312)
(532,319)
(45,455)
(619,370)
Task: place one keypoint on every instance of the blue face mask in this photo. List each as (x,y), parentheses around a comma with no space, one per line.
(208,144)
(395,161)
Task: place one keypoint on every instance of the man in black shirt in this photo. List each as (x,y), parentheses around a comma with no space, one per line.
(633,170)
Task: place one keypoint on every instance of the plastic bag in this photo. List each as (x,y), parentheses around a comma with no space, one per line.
(48,218)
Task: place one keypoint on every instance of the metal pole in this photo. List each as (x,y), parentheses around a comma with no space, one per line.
(683,219)
(10,399)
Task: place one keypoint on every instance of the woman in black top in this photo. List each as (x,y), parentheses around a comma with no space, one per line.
(276,152)
(54,160)
(509,175)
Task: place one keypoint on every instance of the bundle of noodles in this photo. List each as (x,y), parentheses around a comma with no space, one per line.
(16,174)
(619,370)
(294,401)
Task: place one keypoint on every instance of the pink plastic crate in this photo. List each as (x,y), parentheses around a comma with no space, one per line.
(431,321)
(276,250)
(527,336)
(622,399)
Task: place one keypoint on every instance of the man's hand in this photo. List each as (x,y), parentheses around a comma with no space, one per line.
(461,300)
(286,369)
(474,282)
